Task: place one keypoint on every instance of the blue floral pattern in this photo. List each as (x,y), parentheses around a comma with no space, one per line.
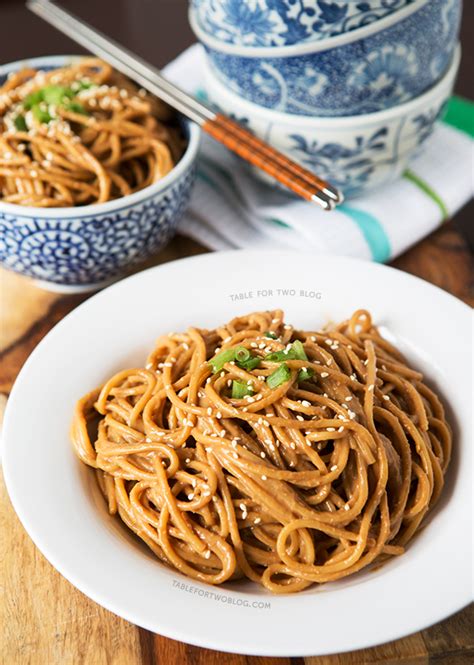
(356,160)
(365,76)
(287,22)
(89,249)
(349,167)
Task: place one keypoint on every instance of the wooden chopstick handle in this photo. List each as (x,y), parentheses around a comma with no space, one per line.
(235,137)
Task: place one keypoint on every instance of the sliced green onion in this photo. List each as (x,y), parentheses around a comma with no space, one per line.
(270,334)
(56,94)
(20,123)
(40,114)
(295,352)
(218,362)
(298,351)
(85,85)
(278,356)
(251,363)
(279,376)
(241,390)
(33,99)
(305,374)
(76,107)
(241,354)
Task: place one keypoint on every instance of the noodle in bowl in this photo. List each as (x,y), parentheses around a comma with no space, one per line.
(108,230)
(116,329)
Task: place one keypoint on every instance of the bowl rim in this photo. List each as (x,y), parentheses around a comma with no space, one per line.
(186,160)
(306,47)
(340,122)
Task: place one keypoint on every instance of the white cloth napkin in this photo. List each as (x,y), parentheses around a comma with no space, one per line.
(231,209)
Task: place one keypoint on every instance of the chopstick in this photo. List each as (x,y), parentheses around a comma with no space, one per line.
(298,179)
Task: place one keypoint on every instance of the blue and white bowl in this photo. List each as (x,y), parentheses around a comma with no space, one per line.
(287,22)
(86,247)
(384,64)
(357,153)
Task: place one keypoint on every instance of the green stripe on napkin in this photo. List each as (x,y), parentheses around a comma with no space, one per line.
(460,114)
(372,230)
(429,191)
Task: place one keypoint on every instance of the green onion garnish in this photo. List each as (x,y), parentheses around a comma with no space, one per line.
(279,376)
(305,374)
(295,352)
(218,362)
(76,107)
(33,99)
(242,354)
(40,114)
(56,94)
(279,356)
(20,123)
(251,363)
(270,334)
(241,390)
(298,351)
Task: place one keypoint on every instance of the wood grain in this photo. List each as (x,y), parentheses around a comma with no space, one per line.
(46,621)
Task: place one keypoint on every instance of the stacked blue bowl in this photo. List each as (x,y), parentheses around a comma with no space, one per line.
(366,80)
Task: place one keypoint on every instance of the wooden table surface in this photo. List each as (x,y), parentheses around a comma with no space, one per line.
(45,620)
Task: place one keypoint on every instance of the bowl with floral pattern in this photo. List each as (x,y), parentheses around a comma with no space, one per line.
(386,63)
(83,248)
(286,22)
(357,153)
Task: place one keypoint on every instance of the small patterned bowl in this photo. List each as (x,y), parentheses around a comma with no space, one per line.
(357,153)
(384,64)
(84,248)
(287,22)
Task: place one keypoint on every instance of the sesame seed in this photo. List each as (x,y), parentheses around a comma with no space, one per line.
(298,417)
(371,387)
(148,440)
(305,403)
(207,554)
(254,345)
(222,433)
(218,415)
(191,496)
(262,454)
(293,445)
(257,520)
(263,477)
(347,506)
(386,397)
(209,411)
(313,338)
(324,375)
(334,467)
(330,429)
(188,459)
(341,428)
(235,456)
(348,399)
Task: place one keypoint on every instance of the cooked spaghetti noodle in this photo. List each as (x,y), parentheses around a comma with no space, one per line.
(81,134)
(261,451)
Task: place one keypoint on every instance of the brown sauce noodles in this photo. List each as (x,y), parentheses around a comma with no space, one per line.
(81,134)
(303,478)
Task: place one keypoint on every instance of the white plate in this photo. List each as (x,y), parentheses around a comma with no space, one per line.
(57,501)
